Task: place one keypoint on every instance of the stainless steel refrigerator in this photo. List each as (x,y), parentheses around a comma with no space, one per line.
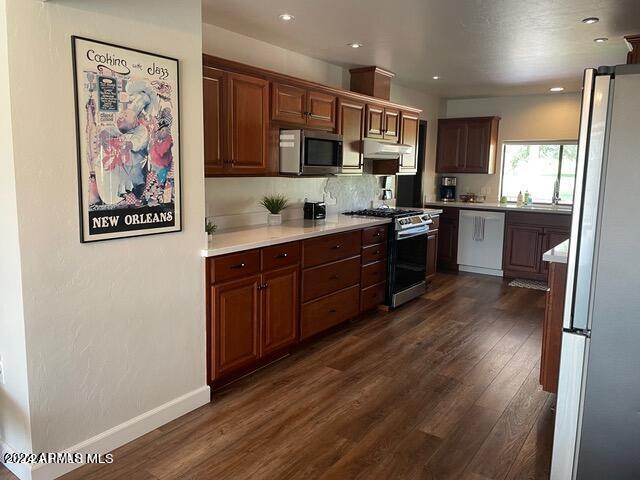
(597,428)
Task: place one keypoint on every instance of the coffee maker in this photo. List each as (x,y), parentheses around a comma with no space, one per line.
(448,189)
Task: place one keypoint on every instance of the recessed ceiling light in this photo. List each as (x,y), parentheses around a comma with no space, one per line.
(556,89)
(590,20)
(436,77)
(286,17)
(354,45)
(601,39)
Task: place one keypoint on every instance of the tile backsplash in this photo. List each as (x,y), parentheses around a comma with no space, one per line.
(233,202)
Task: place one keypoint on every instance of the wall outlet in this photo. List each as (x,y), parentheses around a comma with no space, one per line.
(1,371)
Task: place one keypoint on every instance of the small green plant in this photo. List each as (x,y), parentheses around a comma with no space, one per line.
(274,203)
(209,226)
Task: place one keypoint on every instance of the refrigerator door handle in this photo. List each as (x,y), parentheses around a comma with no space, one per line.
(589,175)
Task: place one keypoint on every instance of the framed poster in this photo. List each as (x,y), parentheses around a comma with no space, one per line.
(128,141)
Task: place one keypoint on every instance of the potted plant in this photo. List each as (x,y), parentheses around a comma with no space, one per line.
(209,227)
(275,204)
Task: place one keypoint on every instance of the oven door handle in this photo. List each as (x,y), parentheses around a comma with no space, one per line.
(413,232)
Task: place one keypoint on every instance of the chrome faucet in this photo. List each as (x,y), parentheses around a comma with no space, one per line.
(555,200)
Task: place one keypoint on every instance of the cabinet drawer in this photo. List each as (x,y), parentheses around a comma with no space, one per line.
(375,253)
(373,235)
(235,265)
(374,273)
(329,248)
(280,255)
(325,279)
(328,311)
(372,296)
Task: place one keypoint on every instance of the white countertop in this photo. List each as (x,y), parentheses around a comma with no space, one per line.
(257,236)
(540,208)
(557,254)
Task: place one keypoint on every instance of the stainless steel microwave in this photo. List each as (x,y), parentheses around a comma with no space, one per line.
(309,152)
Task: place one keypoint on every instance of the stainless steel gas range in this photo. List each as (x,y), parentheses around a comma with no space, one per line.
(407,257)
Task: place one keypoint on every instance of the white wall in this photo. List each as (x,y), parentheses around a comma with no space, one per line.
(15,425)
(237,197)
(115,328)
(533,117)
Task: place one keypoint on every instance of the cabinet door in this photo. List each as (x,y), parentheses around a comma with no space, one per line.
(351,127)
(391,124)
(477,149)
(447,253)
(321,110)
(279,309)
(236,325)
(288,103)
(409,136)
(248,115)
(212,100)
(375,122)
(432,254)
(523,251)
(451,148)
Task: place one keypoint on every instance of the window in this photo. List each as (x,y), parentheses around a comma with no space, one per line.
(536,167)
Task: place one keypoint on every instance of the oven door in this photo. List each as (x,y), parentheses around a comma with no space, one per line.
(321,153)
(410,262)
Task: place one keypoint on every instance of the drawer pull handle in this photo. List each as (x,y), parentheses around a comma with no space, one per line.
(377,252)
(334,277)
(336,247)
(379,234)
(282,255)
(333,310)
(263,286)
(239,265)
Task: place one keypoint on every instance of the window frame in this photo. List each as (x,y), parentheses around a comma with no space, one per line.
(561,143)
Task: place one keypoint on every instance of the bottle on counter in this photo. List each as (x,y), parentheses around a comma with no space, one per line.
(527,197)
(519,199)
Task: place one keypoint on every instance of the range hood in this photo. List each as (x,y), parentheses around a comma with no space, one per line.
(375,149)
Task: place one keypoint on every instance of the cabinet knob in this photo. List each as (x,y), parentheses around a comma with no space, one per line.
(378,234)
(334,277)
(282,255)
(336,247)
(239,265)
(333,310)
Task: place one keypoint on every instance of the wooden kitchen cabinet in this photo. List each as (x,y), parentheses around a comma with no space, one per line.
(467,145)
(236,119)
(409,136)
(279,291)
(212,98)
(296,105)
(447,254)
(382,123)
(253,310)
(236,327)
(351,120)
(552,327)
(527,237)
(432,254)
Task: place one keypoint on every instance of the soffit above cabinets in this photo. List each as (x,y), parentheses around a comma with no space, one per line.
(476,48)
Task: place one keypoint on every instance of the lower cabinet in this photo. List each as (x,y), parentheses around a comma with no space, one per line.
(552,329)
(236,328)
(527,237)
(432,254)
(254,316)
(279,309)
(447,255)
(261,302)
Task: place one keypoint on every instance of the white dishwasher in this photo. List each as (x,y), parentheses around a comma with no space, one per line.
(480,240)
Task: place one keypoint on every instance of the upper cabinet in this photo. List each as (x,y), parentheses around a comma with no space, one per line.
(300,106)
(351,127)
(236,117)
(409,136)
(467,145)
(245,107)
(382,123)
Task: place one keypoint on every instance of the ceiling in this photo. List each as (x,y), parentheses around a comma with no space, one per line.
(477,47)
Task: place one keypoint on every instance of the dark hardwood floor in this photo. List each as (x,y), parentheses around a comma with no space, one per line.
(445,387)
